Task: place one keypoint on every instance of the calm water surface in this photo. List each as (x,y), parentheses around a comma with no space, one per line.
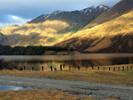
(66,57)
(14,88)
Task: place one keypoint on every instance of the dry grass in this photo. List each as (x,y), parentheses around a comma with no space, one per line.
(122,25)
(49,26)
(46,30)
(119,26)
(38,95)
(118,78)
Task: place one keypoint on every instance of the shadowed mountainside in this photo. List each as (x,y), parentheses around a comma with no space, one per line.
(3,39)
(45,30)
(111,29)
(114,35)
(77,19)
(120,8)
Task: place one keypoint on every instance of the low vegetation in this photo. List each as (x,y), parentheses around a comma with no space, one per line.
(42,95)
(38,95)
(117,78)
(31,50)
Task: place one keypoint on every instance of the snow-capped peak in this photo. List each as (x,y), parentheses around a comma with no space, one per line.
(103,7)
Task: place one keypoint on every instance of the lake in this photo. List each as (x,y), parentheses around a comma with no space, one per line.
(14,88)
(45,62)
(65,57)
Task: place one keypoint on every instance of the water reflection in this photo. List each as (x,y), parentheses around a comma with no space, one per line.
(55,62)
(14,88)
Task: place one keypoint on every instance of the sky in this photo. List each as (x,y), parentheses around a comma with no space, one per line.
(21,11)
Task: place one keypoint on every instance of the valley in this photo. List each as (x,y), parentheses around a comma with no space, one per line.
(81,53)
(95,30)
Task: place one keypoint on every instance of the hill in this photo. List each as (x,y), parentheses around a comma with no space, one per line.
(120,8)
(115,35)
(3,39)
(106,30)
(77,18)
(110,33)
(45,30)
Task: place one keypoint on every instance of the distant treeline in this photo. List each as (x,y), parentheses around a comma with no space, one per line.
(31,50)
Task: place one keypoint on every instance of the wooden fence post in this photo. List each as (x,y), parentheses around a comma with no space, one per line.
(42,68)
(123,68)
(51,68)
(131,67)
(109,68)
(92,67)
(55,69)
(114,69)
(32,68)
(61,67)
(98,68)
(104,68)
(78,67)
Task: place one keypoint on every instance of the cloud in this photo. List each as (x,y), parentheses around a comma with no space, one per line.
(12,20)
(33,8)
(16,19)
(19,11)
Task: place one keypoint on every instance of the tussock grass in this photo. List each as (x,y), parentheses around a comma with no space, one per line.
(118,78)
(38,95)
(43,95)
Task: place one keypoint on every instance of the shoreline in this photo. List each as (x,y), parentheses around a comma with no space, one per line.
(79,88)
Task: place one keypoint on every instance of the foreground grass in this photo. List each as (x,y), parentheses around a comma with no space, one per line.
(118,78)
(38,95)
(42,95)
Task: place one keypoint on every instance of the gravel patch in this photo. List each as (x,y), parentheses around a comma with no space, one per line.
(79,88)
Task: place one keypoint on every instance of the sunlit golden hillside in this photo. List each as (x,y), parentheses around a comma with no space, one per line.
(111,30)
(44,28)
(35,34)
(47,29)
(103,36)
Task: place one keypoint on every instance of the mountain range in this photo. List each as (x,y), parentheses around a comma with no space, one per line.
(93,29)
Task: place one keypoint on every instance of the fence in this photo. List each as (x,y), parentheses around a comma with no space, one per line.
(123,67)
(61,66)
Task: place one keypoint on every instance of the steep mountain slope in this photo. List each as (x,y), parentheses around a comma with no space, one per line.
(115,35)
(77,19)
(120,8)
(47,29)
(3,39)
(34,34)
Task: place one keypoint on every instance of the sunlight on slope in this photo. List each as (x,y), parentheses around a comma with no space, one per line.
(122,25)
(101,36)
(8,29)
(50,31)
(36,34)
(49,26)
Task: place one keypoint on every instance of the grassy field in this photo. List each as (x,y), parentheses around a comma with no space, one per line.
(118,78)
(42,95)
(38,95)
